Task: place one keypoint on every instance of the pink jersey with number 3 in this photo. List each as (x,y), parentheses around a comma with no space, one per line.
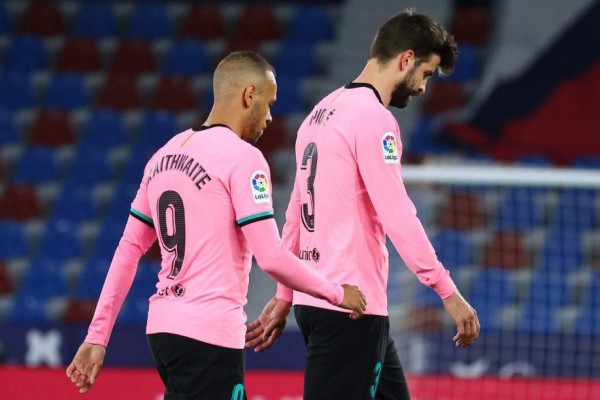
(348,194)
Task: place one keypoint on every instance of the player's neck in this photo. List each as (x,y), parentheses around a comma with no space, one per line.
(229,118)
(379,77)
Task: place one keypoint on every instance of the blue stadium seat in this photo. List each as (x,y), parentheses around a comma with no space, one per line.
(91,279)
(156,128)
(290,100)
(133,312)
(149,20)
(9,130)
(25,54)
(453,248)
(103,130)
(28,310)
(95,19)
(534,160)
(467,68)
(4,25)
(134,168)
(44,280)
(61,241)
(187,57)
(426,297)
(109,234)
(135,308)
(491,290)
(17,91)
(562,252)
(588,319)
(519,209)
(37,165)
(67,91)
(424,138)
(74,204)
(310,24)
(90,168)
(296,60)
(120,204)
(589,162)
(575,211)
(14,240)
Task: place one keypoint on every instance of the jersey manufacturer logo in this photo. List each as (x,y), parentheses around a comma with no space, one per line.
(390,148)
(259,183)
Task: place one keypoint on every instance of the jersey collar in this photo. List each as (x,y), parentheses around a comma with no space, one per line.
(205,127)
(353,85)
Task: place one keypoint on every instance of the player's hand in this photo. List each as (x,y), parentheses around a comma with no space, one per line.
(86,365)
(465,318)
(354,300)
(269,325)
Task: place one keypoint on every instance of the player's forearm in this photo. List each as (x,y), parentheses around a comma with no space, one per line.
(285,267)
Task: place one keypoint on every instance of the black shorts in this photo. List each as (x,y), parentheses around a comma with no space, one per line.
(193,370)
(349,359)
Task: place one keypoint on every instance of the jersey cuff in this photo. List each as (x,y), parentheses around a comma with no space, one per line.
(138,215)
(255,217)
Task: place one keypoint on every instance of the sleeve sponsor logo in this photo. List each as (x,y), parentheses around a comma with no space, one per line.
(390,148)
(259,184)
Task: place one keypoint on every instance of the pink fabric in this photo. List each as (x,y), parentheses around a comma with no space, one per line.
(355,179)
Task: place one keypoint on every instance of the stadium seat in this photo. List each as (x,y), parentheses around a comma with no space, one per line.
(79,311)
(290,99)
(28,310)
(426,297)
(443,96)
(453,248)
(135,308)
(74,204)
(275,137)
(4,25)
(43,280)
(61,241)
(42,18)
(576,210)
(468,65)
(95,19)
(492,289)
(9,130)
(471,25)
(310,24)
(17,91)
(247,27)
(186,57)
(91,279)
(203,21)
(519,209)
(133,57)
(588,320)
(506,250)
(589,162)
(37,165)
(79,55)
(67,91)
(238,43)
(119,92)
(562,252)
(296,60)
(155,129)
(103,130)
(149,20)
(52,128)
(25,54)
(90,168)
(120,204)
(424,138)
(6,285)
(534,160)
(174,93)
(462,211)
(134,167)
(20,202)
(109,235)
(14,240)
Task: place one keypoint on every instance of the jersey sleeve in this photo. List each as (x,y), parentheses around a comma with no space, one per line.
(378,151)
(290,237)
(250,188)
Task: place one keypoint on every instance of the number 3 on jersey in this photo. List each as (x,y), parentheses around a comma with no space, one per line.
(308,211)
(171,219)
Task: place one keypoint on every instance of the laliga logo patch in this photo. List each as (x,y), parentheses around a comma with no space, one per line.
(389,147)
(259,183)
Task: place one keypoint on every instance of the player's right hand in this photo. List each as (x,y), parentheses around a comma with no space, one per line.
(354,300)
(86,365)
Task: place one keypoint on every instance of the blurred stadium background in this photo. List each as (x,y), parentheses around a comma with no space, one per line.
(501,159)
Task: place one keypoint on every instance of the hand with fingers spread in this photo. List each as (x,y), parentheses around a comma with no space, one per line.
(268,327)
(354,300)
(86,365)
(465,318)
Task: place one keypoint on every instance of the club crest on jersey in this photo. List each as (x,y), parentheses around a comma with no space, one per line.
(390,148)
(259,183)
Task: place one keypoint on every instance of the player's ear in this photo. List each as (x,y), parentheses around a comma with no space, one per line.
(249,95)
(405,59)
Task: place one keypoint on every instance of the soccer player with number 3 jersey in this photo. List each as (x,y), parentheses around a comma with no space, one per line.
(348,196)
(206,196)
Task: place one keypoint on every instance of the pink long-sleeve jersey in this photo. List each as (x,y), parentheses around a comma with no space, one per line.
(206,196)
(348,194)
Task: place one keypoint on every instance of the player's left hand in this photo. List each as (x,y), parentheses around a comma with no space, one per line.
(86,365)
(269,326)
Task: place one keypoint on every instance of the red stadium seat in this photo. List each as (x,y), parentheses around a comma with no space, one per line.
(203,21)
(6,286)
(133,57)
(443,97)
(119,92)
(79,311)
(267,29)
(20,202)
(52,128)
(79,55)
(461,211)
(42,18)
(174,93)
(471,25)
(506,250)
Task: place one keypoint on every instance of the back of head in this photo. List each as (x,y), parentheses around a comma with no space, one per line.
(237,70)
(417,32)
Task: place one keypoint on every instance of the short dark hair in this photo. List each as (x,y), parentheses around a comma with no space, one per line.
(418,32)
(246,60)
